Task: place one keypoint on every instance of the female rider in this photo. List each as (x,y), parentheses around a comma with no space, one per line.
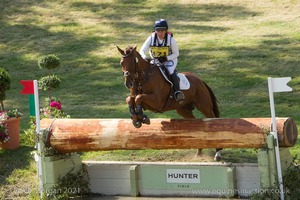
(163,47)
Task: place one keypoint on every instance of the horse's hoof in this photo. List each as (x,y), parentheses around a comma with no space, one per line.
(146,120)
(137,124)
(199,153)
(217,156)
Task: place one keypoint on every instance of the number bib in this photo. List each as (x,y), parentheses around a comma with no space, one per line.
(160,51)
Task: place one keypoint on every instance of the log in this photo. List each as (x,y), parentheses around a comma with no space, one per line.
(80,135)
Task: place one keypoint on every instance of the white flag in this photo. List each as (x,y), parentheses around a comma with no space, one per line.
(280,84)
(277,85)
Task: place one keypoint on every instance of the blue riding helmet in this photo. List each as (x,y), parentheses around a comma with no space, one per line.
(161,25)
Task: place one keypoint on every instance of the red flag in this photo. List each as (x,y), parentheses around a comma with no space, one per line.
(28,87)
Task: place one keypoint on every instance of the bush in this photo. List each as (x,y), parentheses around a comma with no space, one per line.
(5,82)
(291,180)
(49,62)
(48,83)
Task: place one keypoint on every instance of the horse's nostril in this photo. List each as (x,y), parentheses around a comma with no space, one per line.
(128,85)
(126,73)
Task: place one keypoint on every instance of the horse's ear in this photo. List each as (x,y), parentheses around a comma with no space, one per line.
(121,51)
(134,48)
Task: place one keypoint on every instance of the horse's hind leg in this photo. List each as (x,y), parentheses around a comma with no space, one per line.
(186,111)
(217,156)
(207,110)
(209,113)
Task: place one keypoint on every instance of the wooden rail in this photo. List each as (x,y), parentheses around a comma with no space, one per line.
(78,135)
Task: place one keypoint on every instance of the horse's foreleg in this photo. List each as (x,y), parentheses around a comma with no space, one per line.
(139,108)
(130,102)
(133,114)
(143,118)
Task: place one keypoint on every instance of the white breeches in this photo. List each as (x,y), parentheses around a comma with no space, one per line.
(172,68)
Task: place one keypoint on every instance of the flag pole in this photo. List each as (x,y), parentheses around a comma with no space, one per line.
(274,132)
(39,136)
(30,87)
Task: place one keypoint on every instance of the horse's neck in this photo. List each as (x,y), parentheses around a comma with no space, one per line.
(143,66)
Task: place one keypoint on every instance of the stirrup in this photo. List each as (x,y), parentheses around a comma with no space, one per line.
(179,96)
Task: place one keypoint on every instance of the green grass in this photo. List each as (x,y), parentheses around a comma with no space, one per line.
(179,155)
(233,45)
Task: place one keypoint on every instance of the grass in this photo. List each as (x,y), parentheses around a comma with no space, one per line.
(179,155)
(233,45)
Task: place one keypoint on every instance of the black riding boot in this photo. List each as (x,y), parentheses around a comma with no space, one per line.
(178,95)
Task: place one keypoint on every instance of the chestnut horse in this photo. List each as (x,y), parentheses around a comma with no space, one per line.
(149,90)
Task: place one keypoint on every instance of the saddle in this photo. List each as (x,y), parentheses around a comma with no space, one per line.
(184,83)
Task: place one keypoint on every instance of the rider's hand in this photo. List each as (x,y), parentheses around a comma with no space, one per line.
(162,59)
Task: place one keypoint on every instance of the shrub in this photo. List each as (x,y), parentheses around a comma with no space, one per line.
(5,82)
(48,83)
(49,62)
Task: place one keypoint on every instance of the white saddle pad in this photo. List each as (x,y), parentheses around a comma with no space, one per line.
(184,83)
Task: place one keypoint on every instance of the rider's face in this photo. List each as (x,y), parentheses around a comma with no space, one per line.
(160,34)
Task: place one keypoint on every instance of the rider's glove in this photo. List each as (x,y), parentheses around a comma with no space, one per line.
(162,59)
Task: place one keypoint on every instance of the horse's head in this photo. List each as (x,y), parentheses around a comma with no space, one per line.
(129,63)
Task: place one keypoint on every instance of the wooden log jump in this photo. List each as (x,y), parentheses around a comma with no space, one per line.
(79,135)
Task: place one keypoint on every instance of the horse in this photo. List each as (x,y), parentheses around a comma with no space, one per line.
(149,90)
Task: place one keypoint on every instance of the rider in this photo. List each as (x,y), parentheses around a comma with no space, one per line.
(162,46)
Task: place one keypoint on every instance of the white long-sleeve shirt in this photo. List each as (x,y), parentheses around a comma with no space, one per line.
(174,53)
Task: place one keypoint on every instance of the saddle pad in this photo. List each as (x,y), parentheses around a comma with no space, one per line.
(184,83)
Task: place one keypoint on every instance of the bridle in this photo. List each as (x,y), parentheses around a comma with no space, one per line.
(133,76)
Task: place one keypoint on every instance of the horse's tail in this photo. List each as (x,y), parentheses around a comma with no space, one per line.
(214,101)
